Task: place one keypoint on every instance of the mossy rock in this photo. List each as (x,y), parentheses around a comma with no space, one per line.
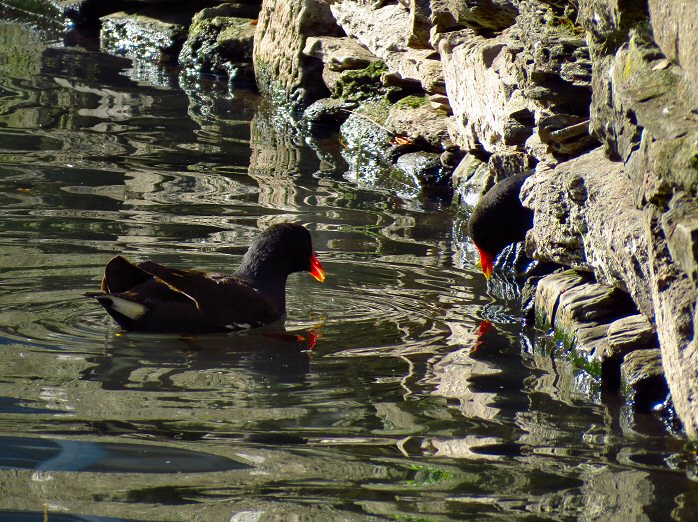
(412,102)
(218,44)
(362,84)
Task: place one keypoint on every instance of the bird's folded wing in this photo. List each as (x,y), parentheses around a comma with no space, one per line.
(217,298)
(120,275)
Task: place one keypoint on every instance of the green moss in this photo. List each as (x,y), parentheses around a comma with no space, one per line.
(362,84)
(565,342)
(412,102)
(593,368)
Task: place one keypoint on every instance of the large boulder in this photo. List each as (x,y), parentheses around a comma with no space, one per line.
(385,30)
(527,88)
(675,29)
(585,217)
(279,66)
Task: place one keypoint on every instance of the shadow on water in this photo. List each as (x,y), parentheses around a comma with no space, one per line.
(275,355)
(398,389)
(105,457)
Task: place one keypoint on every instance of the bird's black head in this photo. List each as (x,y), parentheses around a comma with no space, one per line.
(279,251)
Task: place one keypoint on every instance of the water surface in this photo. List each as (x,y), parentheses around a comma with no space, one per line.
(401,391)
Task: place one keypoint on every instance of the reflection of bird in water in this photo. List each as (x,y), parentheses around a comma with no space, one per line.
(152,298)
(482,330)
(499,219)
(276,355)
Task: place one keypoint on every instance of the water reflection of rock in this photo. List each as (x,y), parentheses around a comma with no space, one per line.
(470,376)
(452,376)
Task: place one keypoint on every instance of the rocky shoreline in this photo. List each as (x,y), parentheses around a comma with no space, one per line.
(441,98)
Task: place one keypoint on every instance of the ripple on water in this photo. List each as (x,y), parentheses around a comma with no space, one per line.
(364,304)
(387,306)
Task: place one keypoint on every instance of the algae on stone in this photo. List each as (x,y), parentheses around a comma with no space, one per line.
(362,84)
(219,44)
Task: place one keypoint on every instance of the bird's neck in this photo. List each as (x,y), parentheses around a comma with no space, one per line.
(266,278)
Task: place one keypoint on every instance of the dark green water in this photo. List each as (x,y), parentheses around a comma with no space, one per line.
(394,401)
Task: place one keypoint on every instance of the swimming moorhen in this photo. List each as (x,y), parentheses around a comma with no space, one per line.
(153,298)
(499,219)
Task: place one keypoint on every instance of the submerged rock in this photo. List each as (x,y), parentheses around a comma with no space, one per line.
(425,171)
(328,112)
(220,41)
(149,34)
(471,179)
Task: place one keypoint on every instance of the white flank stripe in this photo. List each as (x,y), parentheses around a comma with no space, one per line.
(128,308)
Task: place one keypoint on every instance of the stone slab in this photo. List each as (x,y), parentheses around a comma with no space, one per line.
(550,290)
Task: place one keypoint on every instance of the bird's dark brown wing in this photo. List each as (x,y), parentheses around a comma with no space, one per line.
(221,300)
(120,275)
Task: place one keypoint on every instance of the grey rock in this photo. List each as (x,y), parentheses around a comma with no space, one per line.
(440,102)
(147,34)
(502,87)
(675,29)
(279,41)
(367,143)
(642,111)
(590,344)
(420,24)
(338,54)
(605,233)
(609,21)
(642,379)
(220,41)
(549,291)
(487,14)
(331,112)
(680,227)
(425,169)
(385,31)
(451,158)
(505,163)
(471,179)
(630,333)
(589,302)
(442,18)
(414,117)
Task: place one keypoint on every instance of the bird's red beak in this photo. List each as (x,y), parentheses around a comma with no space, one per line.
(486,262)
(316,269)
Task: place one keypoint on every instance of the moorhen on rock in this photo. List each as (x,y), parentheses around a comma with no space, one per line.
(150,297)
(499,219)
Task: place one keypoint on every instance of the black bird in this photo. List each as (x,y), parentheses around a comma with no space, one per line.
(153,298)
(499,219)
